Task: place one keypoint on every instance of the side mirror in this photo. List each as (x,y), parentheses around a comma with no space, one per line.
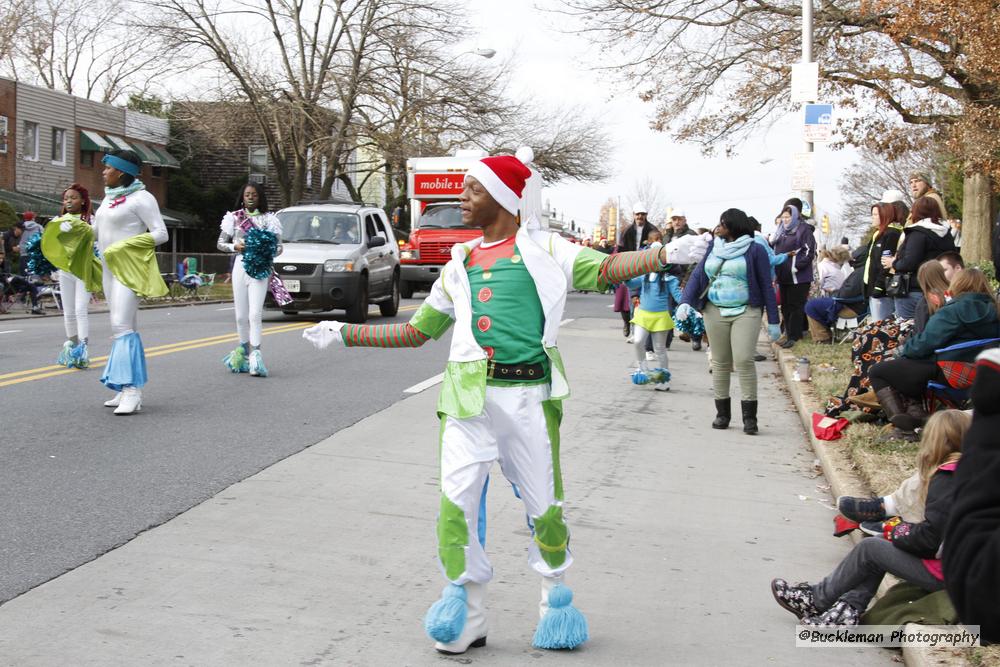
(376,241)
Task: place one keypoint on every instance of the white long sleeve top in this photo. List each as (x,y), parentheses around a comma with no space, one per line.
(138,214)
(230,233)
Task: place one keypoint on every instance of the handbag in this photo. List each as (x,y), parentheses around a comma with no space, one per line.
(898,285)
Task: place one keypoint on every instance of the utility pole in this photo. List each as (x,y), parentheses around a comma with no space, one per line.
(807,57)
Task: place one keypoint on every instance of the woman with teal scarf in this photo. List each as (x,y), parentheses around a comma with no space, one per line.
(731,286)
(128,227)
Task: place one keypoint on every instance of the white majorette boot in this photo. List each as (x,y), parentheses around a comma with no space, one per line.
(560,624)
(131,401)
(114,402)
(452,634)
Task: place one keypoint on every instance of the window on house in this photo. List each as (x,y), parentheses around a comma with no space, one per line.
(3,134)
(58,146)
(87,159)
(157,172)
(258,159)
(309,167)
(30,141)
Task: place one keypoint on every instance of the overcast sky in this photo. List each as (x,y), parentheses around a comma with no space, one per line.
(552,67)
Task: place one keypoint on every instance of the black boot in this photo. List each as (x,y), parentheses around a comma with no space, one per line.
(895,409)
(723,413)
(749,417)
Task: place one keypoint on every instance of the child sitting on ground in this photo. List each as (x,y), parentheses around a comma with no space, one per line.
(909,550)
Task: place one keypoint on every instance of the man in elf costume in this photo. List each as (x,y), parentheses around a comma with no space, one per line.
(503,387)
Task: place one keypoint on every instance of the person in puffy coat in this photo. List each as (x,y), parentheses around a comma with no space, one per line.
(794,238)
(924,240)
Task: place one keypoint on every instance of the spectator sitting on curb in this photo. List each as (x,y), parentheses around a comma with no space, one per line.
(847,301)
(972,538)
(909,551)
(831,271)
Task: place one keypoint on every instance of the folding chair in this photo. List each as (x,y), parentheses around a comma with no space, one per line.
(959,376)
(851,316)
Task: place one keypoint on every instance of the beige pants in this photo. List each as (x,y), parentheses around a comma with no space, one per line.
(734,343)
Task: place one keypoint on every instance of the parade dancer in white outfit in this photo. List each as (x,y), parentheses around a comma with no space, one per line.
(248,292)
(128,226)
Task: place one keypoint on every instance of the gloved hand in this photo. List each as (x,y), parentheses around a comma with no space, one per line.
(65,226)
(684,311)
(324,333)
(773,332)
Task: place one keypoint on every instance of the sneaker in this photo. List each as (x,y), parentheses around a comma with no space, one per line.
(650,356)
(840,614)
(759,357)
(257,367)
(37,311)
(873,528)
(788,344)
(861,509)
(663,386)
(696,345)
(797,599)
(628,339)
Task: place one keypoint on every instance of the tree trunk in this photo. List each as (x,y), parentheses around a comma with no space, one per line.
(977,219)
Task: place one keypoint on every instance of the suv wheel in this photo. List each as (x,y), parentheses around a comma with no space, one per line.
(358,311)
(391,307)
(406,289)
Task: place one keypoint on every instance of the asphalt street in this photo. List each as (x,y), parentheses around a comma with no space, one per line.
(77,481)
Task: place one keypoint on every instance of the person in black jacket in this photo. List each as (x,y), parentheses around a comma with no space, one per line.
(972,537)
(888,226)
(640,225)
(924,240)
(908,550)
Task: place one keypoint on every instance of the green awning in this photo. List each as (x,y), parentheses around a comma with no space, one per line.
(147,154)
(45,207)
(168,160)
(119,143)
(92,141)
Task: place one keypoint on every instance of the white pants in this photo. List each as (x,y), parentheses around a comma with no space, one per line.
(75,300)
(520,429)
(248,298)
(659,346)
(122,302)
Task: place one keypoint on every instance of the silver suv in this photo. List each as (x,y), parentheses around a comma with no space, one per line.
(338,255)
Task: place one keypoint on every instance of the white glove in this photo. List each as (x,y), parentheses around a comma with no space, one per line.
(65,226)
(324,333)
(688,249)
(684,311)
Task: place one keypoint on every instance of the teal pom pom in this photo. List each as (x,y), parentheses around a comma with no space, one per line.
(260,247)
(80,356)
(236,361)
(693,326)
(563,625)
(65,358)
(640,377)
(445,619)
(37,264)
(659,376)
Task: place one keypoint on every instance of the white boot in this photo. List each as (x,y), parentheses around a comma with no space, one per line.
(474,633)
(131,401)
(548,583)
(114,402)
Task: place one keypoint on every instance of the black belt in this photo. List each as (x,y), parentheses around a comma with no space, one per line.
(497,371)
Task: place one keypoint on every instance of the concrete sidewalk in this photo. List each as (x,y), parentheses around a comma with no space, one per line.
(328,557)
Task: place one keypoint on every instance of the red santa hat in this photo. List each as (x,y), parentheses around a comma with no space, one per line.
(504,177)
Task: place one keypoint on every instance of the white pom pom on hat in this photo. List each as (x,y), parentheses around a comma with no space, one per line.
(525,155)
(504,177)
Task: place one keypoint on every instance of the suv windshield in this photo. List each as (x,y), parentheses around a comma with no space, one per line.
(441,215)
(334,227)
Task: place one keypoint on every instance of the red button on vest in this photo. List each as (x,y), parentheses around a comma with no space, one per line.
(489,352)
(485,294)
(484,323)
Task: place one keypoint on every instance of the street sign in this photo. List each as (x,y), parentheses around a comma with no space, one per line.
(803,169)
(819,122)
(805,82)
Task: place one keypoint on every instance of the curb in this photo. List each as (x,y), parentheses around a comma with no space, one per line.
(840,472)
(149,306)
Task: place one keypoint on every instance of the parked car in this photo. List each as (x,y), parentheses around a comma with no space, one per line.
(338,256)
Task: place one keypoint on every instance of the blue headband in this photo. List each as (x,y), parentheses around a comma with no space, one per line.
(121,165)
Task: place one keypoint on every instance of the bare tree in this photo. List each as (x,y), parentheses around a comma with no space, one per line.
(715,70)
(55,46)
(864,183)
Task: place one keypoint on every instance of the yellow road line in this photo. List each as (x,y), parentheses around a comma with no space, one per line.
(43,372)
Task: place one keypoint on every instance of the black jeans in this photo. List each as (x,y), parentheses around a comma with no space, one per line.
(907,376)
(857,577)
(793,309)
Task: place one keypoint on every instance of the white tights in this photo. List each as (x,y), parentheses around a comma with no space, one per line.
(75,300)
(122,302)
(659,346)
(248,298)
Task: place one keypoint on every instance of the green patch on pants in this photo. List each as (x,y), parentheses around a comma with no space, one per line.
(552,536)
(453,537)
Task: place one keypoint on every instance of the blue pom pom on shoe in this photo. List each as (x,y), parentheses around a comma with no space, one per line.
(79,355)
(640,377)
(445,619)
(659,376)
(65,355)
(236,361)
(563,626)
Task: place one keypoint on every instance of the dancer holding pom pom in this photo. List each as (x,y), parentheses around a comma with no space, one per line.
(502,394)
(652,318)
(253,233)
(68,243)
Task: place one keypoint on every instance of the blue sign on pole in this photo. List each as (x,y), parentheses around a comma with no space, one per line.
(819,122)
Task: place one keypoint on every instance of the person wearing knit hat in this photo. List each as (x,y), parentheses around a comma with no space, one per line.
(68,244)
(920,186)
(501,398)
